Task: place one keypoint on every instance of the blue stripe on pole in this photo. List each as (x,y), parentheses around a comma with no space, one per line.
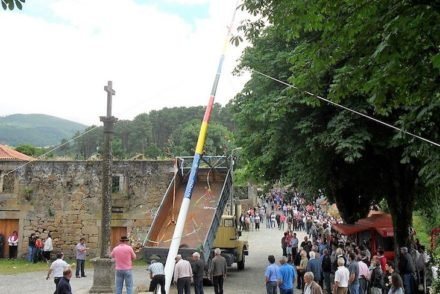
(192,176)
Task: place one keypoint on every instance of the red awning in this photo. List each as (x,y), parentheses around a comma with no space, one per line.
(381,220)
(385,231)
(349,229)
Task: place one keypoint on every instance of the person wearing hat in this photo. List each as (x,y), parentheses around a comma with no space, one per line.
(123,255)
(157,275)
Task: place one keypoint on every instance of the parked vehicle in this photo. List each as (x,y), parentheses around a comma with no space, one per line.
(206,228)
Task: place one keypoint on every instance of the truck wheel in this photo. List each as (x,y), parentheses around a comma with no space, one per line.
(240,264)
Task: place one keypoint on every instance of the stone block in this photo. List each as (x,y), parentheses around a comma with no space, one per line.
(103,276)
(91,230)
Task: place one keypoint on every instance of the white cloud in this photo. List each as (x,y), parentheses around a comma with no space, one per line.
(155,59)
(188,2)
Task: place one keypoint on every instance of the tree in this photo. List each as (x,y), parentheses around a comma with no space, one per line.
(183,140)
(359,54)
(30,150)
(12,4)
(141,137)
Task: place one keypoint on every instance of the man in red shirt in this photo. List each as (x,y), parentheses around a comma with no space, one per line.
(123,255)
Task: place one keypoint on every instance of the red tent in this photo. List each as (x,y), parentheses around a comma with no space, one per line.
(348,230)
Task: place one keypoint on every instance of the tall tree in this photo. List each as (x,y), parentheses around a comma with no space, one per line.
(359,54)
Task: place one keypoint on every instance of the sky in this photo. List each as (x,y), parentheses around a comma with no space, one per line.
(57,56)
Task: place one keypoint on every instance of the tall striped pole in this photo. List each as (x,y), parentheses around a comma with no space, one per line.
(178,231)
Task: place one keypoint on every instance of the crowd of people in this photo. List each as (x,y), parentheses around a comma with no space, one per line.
(335,263)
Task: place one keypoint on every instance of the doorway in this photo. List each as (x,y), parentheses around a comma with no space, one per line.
(117,233)
(7,226)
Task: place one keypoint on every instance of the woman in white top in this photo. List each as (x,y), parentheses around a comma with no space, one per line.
(13,245)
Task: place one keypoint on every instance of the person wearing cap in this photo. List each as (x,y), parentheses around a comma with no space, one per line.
(157,275)
(183,275)
(123,255)
(57,267)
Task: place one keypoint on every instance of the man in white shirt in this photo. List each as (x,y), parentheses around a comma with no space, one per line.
(57,267)
(341,278)
(183,275)
(157,275)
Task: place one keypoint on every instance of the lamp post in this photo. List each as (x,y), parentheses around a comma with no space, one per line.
(231,211)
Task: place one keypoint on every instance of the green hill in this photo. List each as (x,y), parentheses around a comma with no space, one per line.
(36,129)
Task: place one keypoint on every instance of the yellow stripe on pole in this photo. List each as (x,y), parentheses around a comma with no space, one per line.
(202,137)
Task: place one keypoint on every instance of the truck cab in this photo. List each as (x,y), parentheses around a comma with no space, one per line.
(228,240)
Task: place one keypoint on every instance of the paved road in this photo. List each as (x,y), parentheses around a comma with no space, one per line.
(251,280)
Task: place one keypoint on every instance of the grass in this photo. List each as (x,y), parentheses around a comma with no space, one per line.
(18,266)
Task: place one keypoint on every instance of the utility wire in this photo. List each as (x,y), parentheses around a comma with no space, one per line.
(82,134)
(53,149)
(348,109)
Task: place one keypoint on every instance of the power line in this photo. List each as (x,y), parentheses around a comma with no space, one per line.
(53,149)
(349,109)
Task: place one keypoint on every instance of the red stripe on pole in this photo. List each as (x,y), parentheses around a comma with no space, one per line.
(209,109)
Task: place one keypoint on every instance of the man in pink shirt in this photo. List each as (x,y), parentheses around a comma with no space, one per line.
(123,255)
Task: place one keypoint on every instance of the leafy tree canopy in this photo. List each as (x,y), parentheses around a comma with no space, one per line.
(377,57)
(12,4)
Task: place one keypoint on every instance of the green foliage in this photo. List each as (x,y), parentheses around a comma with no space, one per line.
(422,229)
(377,57)
(166,132)
(31,150)
(183,139)
(12,4)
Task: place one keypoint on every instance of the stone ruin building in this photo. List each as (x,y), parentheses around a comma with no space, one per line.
(64,198)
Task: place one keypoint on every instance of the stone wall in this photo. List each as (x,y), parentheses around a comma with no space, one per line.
(64,198)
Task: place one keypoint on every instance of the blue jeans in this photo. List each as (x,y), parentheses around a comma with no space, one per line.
(198,287)
(80,267)
(354,288)
(271,288)
(408,283)
(31,251)
(121,276)
(286,291)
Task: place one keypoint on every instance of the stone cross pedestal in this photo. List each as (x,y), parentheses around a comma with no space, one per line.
(103,276)
(104,273)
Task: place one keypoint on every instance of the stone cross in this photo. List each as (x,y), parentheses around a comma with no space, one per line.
(110,93)
(104,276)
